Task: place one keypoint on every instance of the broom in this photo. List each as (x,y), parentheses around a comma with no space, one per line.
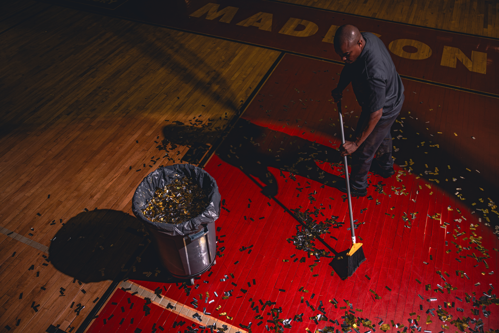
(346,263)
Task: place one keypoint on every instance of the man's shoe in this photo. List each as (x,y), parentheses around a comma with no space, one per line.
(353,191)
(383,173)
(386,173)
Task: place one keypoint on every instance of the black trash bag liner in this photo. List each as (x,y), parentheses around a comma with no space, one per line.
(164,176)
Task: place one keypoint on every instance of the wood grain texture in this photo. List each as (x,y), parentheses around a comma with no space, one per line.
(477,17)
(86,101)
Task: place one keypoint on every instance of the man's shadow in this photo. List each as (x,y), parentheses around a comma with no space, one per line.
(254,149)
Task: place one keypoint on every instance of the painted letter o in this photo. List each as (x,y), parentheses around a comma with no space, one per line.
(423,50)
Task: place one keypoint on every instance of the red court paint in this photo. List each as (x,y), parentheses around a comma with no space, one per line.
(425,250)
(400,258)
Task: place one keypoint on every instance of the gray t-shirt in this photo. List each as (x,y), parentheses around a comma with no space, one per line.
(375,80)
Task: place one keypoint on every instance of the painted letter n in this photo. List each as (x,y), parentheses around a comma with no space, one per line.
(477,63)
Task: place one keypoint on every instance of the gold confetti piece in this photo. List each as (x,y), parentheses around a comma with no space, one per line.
(385,327)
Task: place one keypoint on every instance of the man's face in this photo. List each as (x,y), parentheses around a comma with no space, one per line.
(350,53)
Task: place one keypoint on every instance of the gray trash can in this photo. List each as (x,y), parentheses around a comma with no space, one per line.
(187,249)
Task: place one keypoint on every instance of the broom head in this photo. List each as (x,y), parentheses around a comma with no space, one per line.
(346,263)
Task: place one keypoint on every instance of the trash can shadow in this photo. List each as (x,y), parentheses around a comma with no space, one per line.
(96,245)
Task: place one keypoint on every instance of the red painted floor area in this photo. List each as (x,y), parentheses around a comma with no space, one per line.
(431,263)
(125,313)
(424,252)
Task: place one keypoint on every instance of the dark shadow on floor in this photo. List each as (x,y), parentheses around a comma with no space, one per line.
(160,48)
(254,149)
(96,245)
(149,268)
(104,245)
(244,148)
(422,155)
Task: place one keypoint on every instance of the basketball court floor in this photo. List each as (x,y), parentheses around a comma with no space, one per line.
(95,95)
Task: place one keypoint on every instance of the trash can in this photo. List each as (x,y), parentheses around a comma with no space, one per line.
(186,249)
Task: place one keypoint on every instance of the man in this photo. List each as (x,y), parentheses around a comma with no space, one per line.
(380,93)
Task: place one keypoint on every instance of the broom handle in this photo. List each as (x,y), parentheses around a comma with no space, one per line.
(347,178)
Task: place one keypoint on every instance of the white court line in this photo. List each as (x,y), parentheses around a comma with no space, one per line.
(181,309)
(24,240)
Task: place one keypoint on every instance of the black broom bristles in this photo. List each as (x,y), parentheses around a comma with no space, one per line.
(346,263)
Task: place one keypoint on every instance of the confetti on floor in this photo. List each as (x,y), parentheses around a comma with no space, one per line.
(431,256)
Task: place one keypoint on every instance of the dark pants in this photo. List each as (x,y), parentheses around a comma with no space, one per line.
(378,143)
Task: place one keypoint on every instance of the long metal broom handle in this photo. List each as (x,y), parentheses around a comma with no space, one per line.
(347,178)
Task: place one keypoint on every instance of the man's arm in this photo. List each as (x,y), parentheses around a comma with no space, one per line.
(345,78)
(344,81)
(351,146)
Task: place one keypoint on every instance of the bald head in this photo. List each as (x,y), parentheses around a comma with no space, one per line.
(348,43)
(346,34)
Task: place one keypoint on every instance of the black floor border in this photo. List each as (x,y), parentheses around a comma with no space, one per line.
(385,20)
(243,108)
(450,86)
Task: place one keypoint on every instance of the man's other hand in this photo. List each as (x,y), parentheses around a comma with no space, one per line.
(337,94)
(348,148)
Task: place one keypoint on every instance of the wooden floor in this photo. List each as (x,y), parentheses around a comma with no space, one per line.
(91,103)
(477,17)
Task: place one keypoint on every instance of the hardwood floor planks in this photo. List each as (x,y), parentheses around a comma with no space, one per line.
(457,15)
(96,87)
